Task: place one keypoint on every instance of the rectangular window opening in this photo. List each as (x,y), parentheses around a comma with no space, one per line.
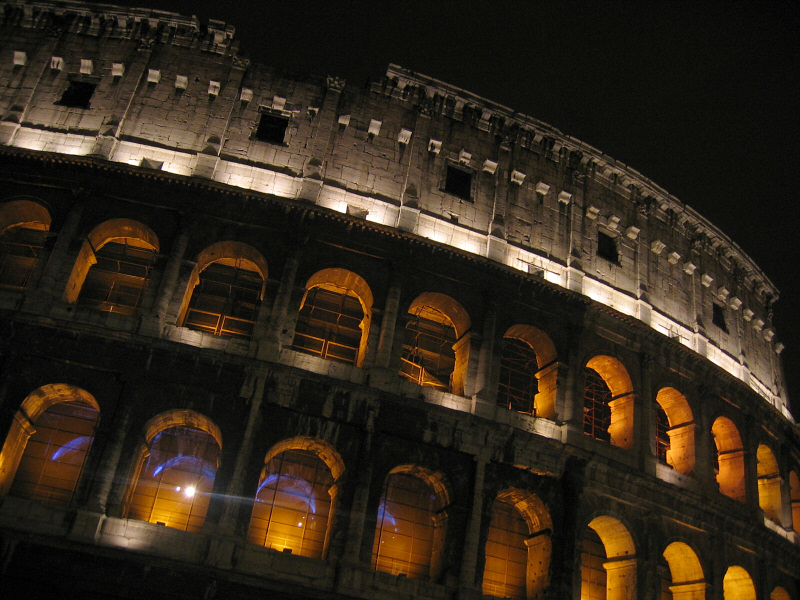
(458,182)
(718,317)
(272,128)
(607,248)
(78,94)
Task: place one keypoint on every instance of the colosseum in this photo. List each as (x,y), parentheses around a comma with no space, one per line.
(271,335)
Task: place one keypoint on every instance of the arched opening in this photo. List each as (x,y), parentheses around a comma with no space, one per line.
(608,402)
(528,372)
(176,470)
(225,290)
(436,344)
(737,584)
(769,484)
(730,458)
(662,435)
(779,594)
(608,561)
(46,448)
(23,230)
(518,547)
(334,318)
(113,267)
(794,494)
(675,430)
(686,580)
(295,499)
(412,523)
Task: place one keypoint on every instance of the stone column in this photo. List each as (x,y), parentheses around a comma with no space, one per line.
(358,511)
(272,341)
(621,579)
(220,112)
(134,448)
(569,391)
(469,557)
(107,467)
(169,280)
(57,270)
(484,377)
(750,460)
(644,414)
(235,489)
(383,354)
(108,138)
(26,82)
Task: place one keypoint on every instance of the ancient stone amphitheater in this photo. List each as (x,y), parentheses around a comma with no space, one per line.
(273,337)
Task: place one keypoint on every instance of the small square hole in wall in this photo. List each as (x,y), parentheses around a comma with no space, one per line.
(607,247)
(272,128)
(458,182)
(718,317)
(78,94)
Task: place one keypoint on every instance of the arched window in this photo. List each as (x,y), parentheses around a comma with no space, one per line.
(737,584)
(518,547)
(177,471)
(225,290)
(608,561)
(334,319)
(730,458)
(118,280)
(113,267)
(46,448)
(505,573)
(662,435)
(295,498)
(226,299)
(779,594)
(428,355)
(23,230)
(674,430)
(769,484)
(528,372)
(435,351)
(593,574)
(685,578)
(596,411)
(794,491)
(411,524)
(518,387)
(608,402)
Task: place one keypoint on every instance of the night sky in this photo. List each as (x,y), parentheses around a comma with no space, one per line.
(702,98)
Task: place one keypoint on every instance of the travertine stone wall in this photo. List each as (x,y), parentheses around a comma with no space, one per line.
(181,99)
(358,185)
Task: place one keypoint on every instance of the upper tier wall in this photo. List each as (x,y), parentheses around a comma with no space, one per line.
(409,152)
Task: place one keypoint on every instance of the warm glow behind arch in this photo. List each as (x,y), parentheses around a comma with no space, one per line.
(738,585)
(127,230)
(730,458)
(23,213)
(769,483)
(681,453)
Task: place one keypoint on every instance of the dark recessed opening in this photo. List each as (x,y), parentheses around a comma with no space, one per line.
(607,247)
(458,182)
(271,128)
(718,317)
(78,94)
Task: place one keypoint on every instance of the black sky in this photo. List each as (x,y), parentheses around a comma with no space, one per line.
(702,98)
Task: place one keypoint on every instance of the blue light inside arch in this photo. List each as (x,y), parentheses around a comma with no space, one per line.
(297,486)
(79,443)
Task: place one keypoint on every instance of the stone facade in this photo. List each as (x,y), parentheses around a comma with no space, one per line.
(425,212)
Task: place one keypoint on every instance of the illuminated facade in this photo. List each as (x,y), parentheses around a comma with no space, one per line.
(269,336)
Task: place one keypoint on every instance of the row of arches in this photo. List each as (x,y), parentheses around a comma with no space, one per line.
(294,504)
(228,282)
